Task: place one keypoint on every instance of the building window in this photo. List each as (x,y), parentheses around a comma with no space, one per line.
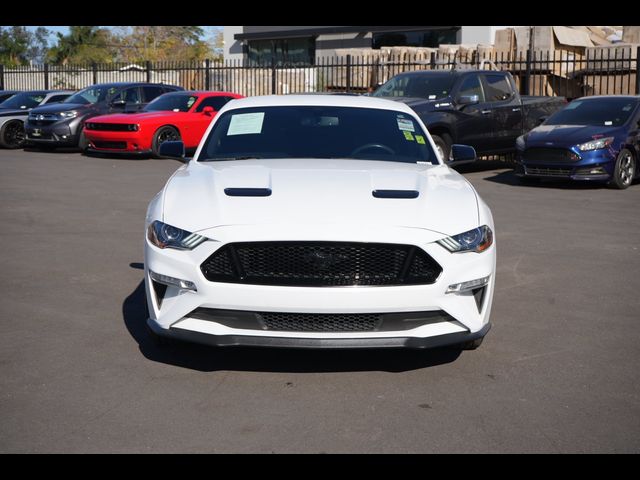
(290,51)
(422,38)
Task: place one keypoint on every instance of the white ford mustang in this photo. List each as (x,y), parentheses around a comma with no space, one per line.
(319,221)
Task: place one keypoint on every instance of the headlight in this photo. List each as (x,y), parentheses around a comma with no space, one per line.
(163,235)
(133,127)
(596,144)
(69,114)
(476,240)
(520,142)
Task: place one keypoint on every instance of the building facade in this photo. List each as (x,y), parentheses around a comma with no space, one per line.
(304,45)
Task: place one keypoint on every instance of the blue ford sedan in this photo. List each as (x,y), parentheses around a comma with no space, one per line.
(592,138)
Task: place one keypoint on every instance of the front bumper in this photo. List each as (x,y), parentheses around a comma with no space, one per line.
(234,340)
(597,165)
(117,142)
(172,312)
(63,133)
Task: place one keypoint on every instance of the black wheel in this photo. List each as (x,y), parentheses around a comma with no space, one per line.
(624,171)
(163,134)
(83,143)
(12,134)
(443,144)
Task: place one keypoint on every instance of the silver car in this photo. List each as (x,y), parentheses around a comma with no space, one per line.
(15,110)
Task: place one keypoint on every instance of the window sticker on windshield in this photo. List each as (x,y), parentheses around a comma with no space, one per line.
(406,124)
(246,124)
(608,123)
(408,135)
(420,139)
(191,101)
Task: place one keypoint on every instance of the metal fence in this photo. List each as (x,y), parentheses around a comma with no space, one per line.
(567,73)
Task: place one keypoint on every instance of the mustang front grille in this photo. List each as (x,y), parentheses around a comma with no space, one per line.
(321,264)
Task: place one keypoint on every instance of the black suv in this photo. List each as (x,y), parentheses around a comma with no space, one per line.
(62,124)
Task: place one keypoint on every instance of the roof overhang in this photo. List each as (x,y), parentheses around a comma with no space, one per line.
(314,32)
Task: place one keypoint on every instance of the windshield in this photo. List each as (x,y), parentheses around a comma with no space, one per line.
(172,102)
(317,132)
(422,85)
(608,112)
(91,95)
(23,100)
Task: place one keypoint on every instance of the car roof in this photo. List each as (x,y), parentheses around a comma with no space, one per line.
(130,84)
(320,100)
(205,92)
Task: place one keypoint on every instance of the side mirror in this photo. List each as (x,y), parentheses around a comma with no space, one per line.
(461,154)
(468,100)
(208,111)
(542,119)
(173,150)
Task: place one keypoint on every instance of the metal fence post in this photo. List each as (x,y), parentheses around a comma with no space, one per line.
(273,76)
(637,71)
(348,73)
(527,74)
(94,68)
(207,74)
(1,77)
(46,76)
(148,71)
(433,60)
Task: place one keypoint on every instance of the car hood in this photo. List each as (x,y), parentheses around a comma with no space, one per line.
(567,135)
(60,107)
(131,117)
(12,112)
(319,191)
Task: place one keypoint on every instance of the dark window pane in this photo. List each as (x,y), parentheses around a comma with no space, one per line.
(471,86)
(498,88)
(152,92)
(606,112)
(216,102)
(318,132)
(290,51)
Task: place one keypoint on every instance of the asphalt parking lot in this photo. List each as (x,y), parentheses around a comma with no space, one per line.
(557,373)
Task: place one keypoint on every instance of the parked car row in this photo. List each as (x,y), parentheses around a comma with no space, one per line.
(108,118)
(591,138)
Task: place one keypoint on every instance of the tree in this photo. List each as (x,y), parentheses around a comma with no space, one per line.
(83,44)
(19,46)
(162,43)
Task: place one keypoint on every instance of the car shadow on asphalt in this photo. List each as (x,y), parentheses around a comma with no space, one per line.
(209,359)
(508,177)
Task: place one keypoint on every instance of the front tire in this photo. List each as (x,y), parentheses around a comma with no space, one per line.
(443,144)
(163,134)
(624,170)
(12,135)
(83,143)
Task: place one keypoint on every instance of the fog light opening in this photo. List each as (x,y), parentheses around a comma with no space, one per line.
(467,286)
(173,282)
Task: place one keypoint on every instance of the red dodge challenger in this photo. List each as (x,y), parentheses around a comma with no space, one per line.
(173,116)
